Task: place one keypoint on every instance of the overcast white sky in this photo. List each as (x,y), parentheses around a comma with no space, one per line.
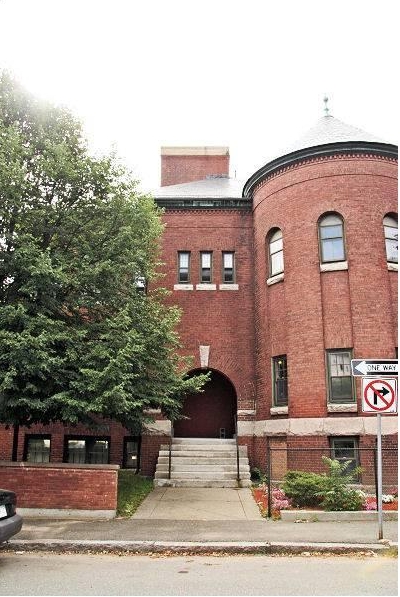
(249,74)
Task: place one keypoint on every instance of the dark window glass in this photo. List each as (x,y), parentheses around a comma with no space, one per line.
(228,267)
(183,266)
(279,366)
(331,238)
(339,376)
(37,449)
(140,283)
(131,453)
(206,266)
(88,450)
(345,449)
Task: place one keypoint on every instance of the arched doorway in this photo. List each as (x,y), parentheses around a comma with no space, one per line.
(211,412)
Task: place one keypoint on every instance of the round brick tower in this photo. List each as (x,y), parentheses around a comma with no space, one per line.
(325,273)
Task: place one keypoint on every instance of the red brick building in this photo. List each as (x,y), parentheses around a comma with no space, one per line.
(281,280)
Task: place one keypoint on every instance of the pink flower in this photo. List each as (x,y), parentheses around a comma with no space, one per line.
(369,504)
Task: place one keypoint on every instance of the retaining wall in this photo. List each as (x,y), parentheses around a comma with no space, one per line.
(59,490)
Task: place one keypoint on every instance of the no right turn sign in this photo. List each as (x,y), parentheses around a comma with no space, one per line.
(379,396)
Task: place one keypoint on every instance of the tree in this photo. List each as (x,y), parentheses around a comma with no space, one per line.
(78,338)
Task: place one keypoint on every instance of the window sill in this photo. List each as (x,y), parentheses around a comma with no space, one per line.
(246,412)
(393,267)
(279,410)
(336,266)
(229,286)
(206,287)
(275,279)
(350,407)
(183,286)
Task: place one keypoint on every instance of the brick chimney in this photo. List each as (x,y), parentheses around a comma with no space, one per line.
(187,164)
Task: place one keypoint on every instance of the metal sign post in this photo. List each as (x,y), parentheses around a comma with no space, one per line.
(379,473)
(378,396)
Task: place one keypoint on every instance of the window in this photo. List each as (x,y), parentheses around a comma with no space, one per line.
(131,452)
(275,253)
(87,450)
(331,238)
(280,380)
(183,266)
(345,449)
(141,284)
(340,383)
(205,267)
(228,267)
(391,239)
(37,448)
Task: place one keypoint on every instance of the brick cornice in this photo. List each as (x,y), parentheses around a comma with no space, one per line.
(320,154)
(171,205)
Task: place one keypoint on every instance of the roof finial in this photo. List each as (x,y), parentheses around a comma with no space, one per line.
(326,109)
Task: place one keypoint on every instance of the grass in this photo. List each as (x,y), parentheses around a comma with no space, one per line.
(132,489)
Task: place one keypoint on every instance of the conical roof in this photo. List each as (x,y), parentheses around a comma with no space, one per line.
(331,130)
(328,137)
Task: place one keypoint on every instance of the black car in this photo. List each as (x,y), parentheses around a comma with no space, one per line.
(10,521)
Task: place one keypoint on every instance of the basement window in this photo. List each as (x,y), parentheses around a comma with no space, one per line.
(345,449)
(131,453)
(87,450)
(37,448)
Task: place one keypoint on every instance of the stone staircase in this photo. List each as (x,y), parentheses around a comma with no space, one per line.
(202,462)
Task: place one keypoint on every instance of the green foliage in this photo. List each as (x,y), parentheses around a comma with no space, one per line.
(336,495)
(304,489)
(330,491)
(132,489)
(77,338)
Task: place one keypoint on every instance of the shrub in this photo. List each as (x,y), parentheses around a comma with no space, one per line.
(342,499)
(336,495)
(304,489)
(330,490)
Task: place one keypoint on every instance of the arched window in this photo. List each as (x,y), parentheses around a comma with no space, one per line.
(391,238)
(331,238)
(275,253)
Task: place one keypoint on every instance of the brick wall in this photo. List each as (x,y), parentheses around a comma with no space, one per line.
(81,487)
(178,167)
(6,442)
(221,319)
(311,311)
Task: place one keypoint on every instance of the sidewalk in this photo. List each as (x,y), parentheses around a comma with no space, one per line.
(176,520)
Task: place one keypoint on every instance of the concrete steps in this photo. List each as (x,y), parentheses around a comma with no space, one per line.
(202,462)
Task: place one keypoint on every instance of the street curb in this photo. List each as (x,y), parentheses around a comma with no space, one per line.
(188,547)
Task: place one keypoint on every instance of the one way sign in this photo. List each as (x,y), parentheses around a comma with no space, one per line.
(374,367)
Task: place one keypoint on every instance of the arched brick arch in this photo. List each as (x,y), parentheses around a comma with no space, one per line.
(210,411)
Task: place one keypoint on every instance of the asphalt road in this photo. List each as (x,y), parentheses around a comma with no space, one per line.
(50,574)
